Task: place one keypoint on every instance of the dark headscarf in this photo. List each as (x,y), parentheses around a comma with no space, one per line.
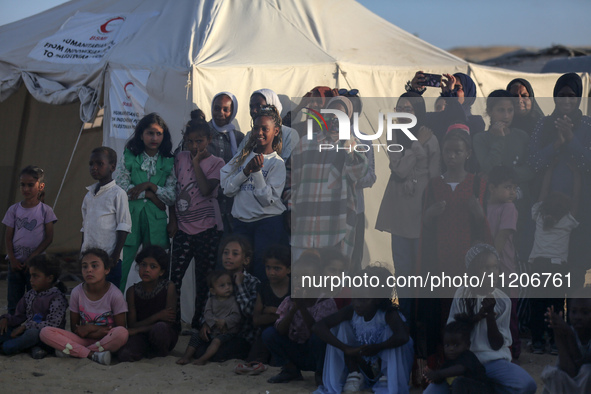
(573,81)
(536,112)
(469,91)
(418,105)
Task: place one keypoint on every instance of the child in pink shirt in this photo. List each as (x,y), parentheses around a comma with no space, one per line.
(196,223)
(97,315)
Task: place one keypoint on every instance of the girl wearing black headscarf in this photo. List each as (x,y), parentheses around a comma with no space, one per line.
(464,88)
(411,169)
(560,154)
(528,111)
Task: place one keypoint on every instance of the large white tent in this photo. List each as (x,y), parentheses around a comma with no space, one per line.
(189,50)
(85,54)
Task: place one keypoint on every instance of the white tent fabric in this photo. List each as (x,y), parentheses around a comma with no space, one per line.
(193,49)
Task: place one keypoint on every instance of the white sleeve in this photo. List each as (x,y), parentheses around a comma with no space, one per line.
(267,190)
(83,213)
(503,311)
(231,178)
(455,306)
(122,212)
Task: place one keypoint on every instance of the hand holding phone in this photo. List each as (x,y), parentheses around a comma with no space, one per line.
(430,80)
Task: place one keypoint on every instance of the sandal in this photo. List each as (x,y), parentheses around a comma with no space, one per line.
(251,368)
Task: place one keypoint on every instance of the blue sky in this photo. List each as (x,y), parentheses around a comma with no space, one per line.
(449,23)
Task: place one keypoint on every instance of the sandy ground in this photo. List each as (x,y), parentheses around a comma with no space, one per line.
(159,375)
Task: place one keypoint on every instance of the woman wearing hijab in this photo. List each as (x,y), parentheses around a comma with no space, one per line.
(528,111)
(411,169)
(224,143)
(225,137)
(463,87)
(459,91)
(560,154)
(290,137)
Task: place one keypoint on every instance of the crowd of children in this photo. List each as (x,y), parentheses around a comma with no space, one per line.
(228,197)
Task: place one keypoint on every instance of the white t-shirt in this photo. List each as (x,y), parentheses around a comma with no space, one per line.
(551,243)
(257,196)
(103,214)
(479,337)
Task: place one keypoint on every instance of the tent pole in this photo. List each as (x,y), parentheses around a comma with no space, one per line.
(68,167)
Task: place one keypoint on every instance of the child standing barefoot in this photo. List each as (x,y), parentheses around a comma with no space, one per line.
(221,314)
(43,306)
(153,323)
(29,231)
(97,315)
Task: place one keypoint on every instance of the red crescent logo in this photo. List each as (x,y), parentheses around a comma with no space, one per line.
(125,88)
(103,28)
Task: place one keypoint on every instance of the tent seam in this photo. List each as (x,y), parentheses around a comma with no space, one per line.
(300,31)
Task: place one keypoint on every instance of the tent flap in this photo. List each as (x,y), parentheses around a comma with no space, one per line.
(52,92)
(10,81)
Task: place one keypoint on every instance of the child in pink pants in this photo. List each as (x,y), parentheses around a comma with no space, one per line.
(97,314)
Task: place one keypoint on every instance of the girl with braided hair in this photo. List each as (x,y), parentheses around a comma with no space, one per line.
(255,177)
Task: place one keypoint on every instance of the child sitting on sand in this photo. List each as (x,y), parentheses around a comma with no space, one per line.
(368,343)
(221,314)
(461,372)
(44,305)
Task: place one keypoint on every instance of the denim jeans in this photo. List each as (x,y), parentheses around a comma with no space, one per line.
(507,378)
(25,341)
(18,283)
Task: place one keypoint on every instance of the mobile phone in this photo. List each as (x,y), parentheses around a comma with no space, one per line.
(432,80)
